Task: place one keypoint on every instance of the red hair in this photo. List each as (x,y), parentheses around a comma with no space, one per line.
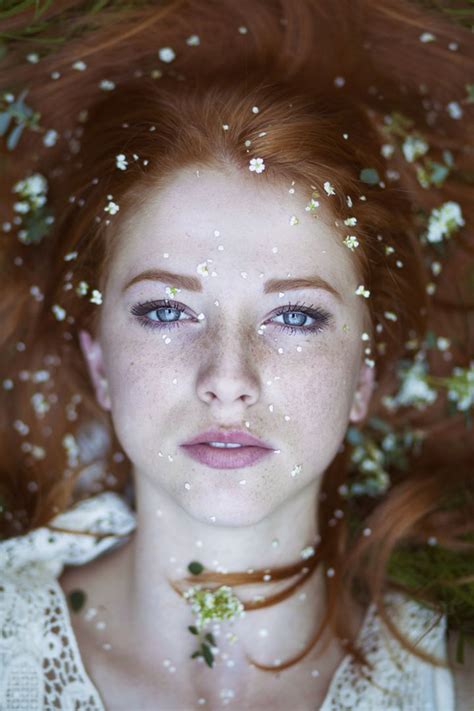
(170,116)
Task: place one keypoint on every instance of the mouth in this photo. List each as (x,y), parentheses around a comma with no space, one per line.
(226,458)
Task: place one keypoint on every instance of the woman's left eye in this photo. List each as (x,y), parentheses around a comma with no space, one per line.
(294,316)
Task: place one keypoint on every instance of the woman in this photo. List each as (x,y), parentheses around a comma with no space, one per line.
(245,217)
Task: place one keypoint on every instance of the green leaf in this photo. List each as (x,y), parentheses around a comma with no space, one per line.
(5,119)
(193,629)
(14,136)
(369,176)
(195,568)
(196,654)
(208,655)
(77,599)
(211,639)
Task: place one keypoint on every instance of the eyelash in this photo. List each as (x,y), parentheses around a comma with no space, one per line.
(322,317)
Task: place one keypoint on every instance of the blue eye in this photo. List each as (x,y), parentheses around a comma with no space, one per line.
(294,316)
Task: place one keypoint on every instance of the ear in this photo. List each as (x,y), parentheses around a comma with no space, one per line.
(363,393)
(92,352)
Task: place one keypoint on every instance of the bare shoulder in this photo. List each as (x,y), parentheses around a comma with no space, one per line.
(463,673)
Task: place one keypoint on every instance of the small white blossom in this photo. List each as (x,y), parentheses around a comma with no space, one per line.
(387,150)
(350,221)
(307,552)
(96,297)
(107,85)
(32,186)
(167,54)
(79,65)
(413,147)
(312,205)
(415,390)
(203,269)
(50,138)
(193,41)
(329,188)
(294,220)
(257,165)
(21,207)
(121,161)
(454,110)
(427,37)
(390,315)
(33,57)
(59,312)
(351,241)
(362,291)
(112,208)
(82,288)
(444,220)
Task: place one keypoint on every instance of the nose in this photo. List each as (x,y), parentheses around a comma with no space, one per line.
(228,374)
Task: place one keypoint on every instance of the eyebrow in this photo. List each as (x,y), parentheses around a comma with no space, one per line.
(191,283)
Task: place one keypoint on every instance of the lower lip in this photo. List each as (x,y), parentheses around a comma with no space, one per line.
(219,458)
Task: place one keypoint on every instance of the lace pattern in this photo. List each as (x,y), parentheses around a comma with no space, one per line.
(40,662)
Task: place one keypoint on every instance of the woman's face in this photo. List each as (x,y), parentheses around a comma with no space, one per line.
(227,361)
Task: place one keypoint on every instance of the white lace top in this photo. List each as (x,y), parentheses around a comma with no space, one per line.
(40,662)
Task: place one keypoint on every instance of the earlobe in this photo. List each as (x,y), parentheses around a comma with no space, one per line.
(92,352)
(363,394)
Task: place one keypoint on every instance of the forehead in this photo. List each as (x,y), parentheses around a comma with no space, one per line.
(242,221)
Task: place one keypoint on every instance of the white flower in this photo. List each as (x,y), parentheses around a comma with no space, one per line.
(203,269)
(59,312)
(33,57)
(387,150)
(21,207)
(107,85)
(35,184)
(121,161)
(329,188)
(166,54)
(462,387)
(352,242)
(257,165)
(96,297)
(350,221)
(444,220)
(79,65)
(193,40)
(312,205)
(82,288)
(294,220)
(362,291)
(413,147)
(50,138)
(454,110)
(112,208)
(427,37)
(415,391)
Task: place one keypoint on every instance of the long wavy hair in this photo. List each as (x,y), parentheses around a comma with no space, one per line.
(331,81)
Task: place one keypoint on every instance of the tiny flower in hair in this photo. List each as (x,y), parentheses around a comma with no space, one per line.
(352,242)
(461,387)
(112,207)
(257,165)
(79,65)
(413,147)
(454,110)
(50,138)
(96,297)
(444,221)
(59,312)
(107,85)
(294,220)
(427,37)
(121,161)
(82,288)
(362,291)
(329,188)
(33,57)
(307,552)
(193,41)
(350,221)
(312,205)
(167,54)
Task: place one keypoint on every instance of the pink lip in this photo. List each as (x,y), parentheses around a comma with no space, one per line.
(226,458)
(235,436)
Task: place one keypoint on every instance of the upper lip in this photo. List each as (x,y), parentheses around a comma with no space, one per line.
(235,436)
